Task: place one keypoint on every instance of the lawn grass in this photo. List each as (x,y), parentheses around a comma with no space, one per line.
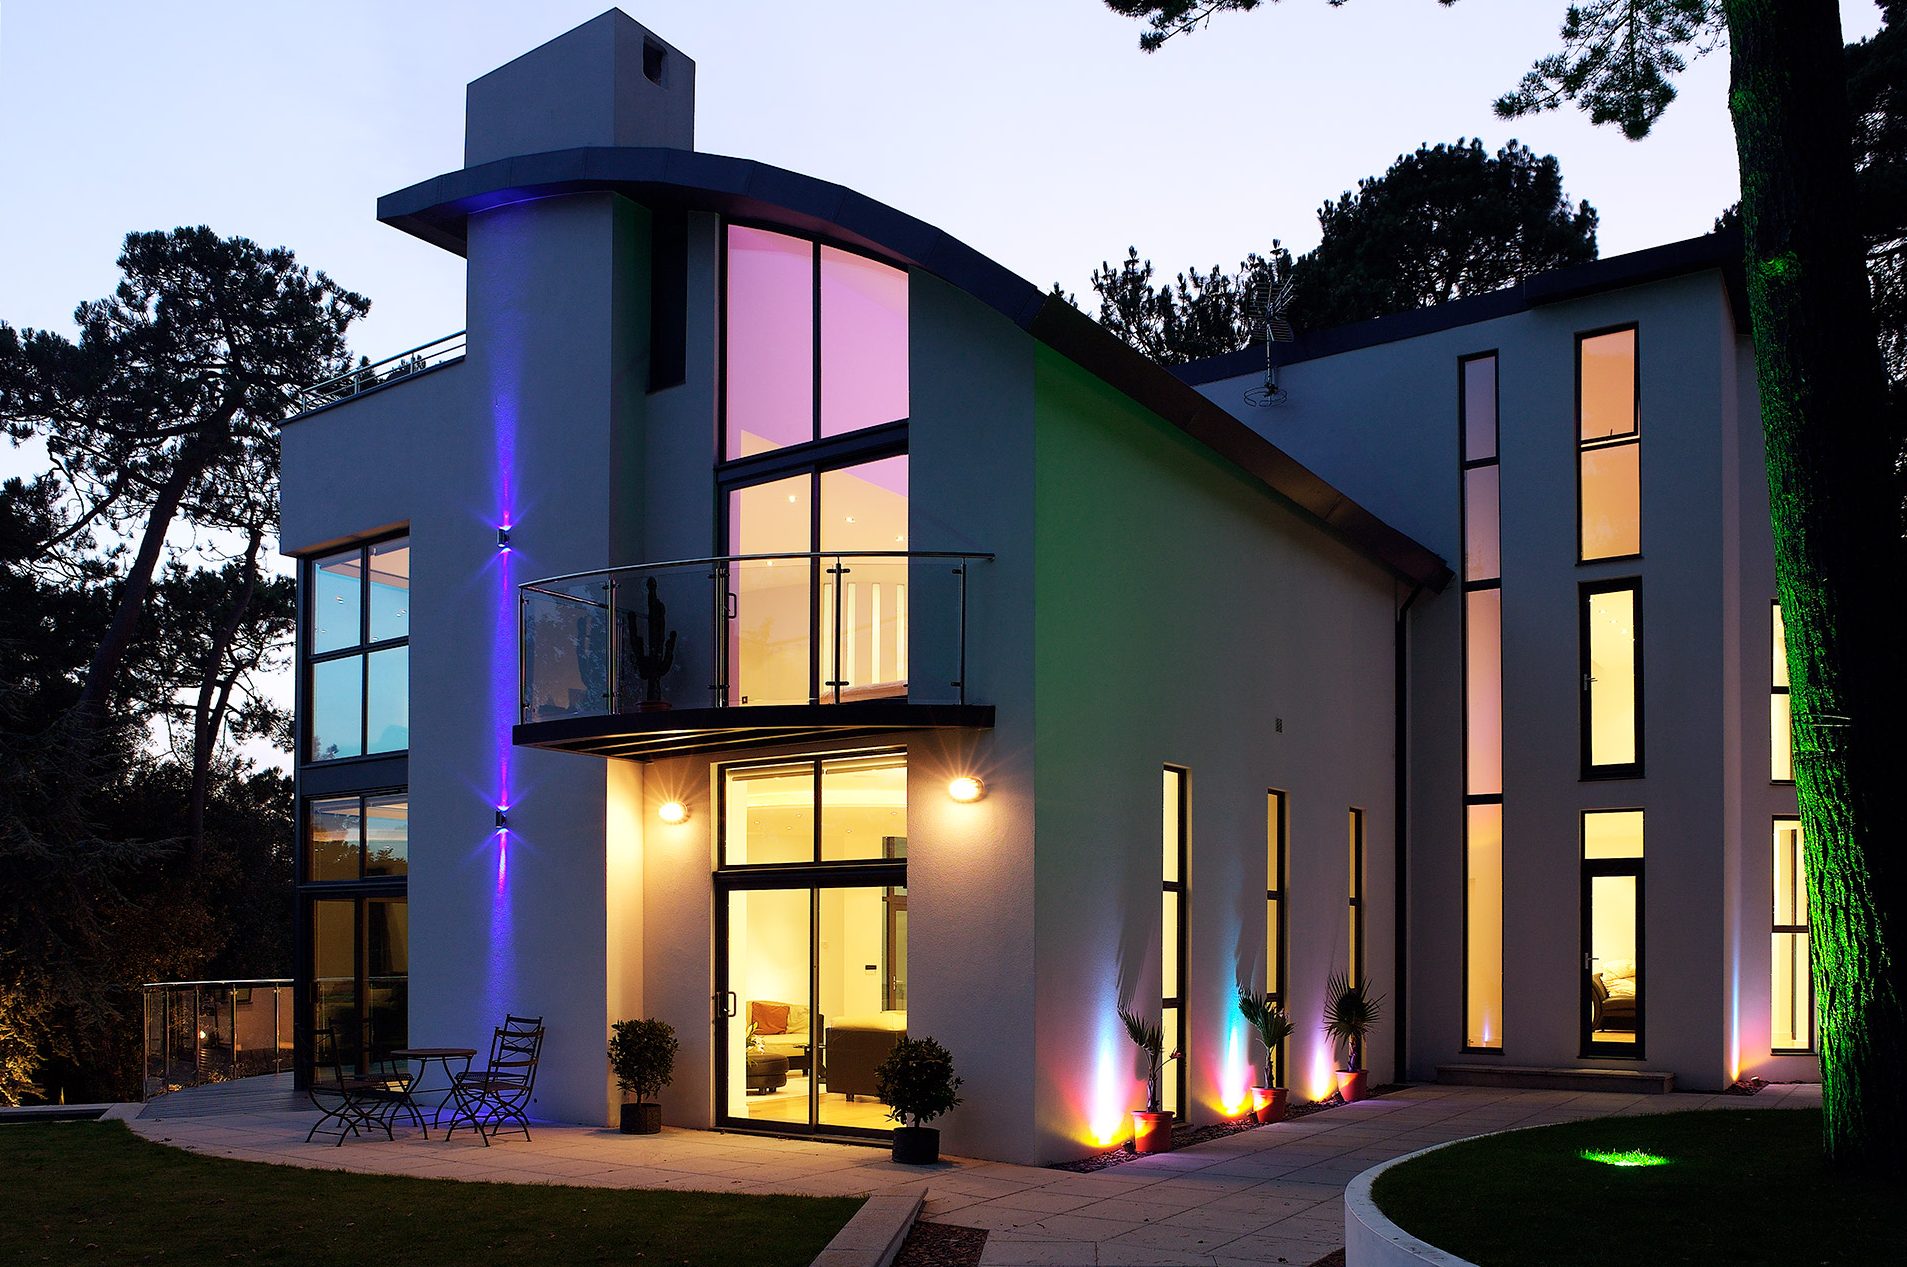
(1737,1187)
(85,1192)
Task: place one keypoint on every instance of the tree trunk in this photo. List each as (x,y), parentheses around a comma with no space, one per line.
(215,694)
(1838,553)
(103,672)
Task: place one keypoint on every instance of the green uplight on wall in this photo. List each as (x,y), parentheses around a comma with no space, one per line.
(1632,1157)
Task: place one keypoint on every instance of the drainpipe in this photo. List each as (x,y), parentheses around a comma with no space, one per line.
(1400,803)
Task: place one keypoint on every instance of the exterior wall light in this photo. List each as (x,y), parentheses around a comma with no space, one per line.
(503,818)
(503,537)
(966,789)
(673,812)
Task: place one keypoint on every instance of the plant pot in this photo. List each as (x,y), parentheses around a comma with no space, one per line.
(916,1145)
(1268,1103)
(641,1119)
(1151,1132)
(654,706)
(1351,1084)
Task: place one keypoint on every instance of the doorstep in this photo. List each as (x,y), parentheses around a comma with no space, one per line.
(1531,1078)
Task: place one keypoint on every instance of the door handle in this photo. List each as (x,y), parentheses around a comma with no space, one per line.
(723,1010)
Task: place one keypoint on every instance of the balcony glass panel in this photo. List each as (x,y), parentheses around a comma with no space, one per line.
(565,636)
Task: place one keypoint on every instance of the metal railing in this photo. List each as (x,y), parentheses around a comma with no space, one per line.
(213,1031)
(370,374)
(754,629)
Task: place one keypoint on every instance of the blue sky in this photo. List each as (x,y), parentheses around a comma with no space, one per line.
(1032,129)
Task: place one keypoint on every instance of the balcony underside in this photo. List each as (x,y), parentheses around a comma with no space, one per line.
(680,732)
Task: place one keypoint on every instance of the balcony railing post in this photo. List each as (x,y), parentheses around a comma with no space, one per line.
(718,639)
(839,572)
(615,650)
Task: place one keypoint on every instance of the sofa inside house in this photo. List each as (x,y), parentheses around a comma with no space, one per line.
(781,1029)
(856,1047)
(1612,992)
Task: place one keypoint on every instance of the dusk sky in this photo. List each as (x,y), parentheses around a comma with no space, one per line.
(1036,132)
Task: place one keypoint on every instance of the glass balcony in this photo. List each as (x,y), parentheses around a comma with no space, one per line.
(214,1031)
(661,647)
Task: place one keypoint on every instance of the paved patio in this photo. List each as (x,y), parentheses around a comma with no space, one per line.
(1271,1195)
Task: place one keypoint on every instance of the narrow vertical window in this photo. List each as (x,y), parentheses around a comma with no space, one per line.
(1791,998)
(1276,828)
(1612,928)
(1609,440)
(1356,949)
(1611,634)
(1780,719)
(1482,704)
(1172,942)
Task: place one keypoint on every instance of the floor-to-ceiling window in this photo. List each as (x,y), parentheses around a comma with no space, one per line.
(354,809)
(1612,928)
(1609,445)
(814,469)
(1172,942)
(1277,832)
(1791,983)
(1482,705)
(1611,642)
(812,901)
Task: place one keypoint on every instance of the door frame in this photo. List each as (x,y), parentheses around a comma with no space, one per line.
(1593,868)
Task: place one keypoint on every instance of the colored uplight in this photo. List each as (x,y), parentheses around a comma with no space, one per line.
(966,789)
(673,812)
(503,818)
(1630,1158)
(503,537)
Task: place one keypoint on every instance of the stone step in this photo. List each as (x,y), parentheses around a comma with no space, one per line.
(1532,1078)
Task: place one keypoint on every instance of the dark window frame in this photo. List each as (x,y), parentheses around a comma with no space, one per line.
(1181,888)
(1466,464)
(1355,896)
(362,650)
(362,796)
(1591,772)
(1278,840)
(1775,688)
(1633,436)
(817,761)
(304,1031)
(1590,868)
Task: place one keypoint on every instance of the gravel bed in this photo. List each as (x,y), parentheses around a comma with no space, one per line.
(941,1245)
(1184,1136)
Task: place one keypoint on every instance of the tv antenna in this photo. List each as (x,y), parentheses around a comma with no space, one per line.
(1266,311)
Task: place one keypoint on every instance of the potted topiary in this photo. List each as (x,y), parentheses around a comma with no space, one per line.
(916,1081)
(1350,1013)
(1152,1125)
(1263,1014)
(642,1056)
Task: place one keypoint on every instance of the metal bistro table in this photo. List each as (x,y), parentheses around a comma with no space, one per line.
(443,1056)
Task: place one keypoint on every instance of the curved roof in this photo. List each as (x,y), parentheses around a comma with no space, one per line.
(436,210)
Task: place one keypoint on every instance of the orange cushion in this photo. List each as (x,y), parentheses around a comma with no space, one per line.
(768,1018)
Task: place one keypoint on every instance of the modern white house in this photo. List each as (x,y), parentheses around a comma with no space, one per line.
(778,619)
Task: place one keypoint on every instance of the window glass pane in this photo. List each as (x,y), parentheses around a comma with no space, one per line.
(1612,502)
(1169,1077)
(860,955)
(1779,650)
(769,638)
(387,835)
(1481,558)
(1169,946)
(1483,926)
(1170,824)
(1612,834)
(1612,678)
(771,1045)
(334,968)
(1780,738)
(1615,987)
(864,807)
(768,814)
(1483,692)
(389,723)
(331,839)
(337,601)
(1479,409)
(337,709)
(387,969)
(770,349)
(1793,994)
(391,590)
(1609,385)
(863,343)
(864,508)
(1791,891)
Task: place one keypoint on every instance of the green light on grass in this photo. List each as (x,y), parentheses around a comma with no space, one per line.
(1632,1157)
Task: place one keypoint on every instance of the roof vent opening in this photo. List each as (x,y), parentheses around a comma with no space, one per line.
(652,61)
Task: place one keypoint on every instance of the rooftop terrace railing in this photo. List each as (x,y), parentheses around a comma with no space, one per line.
(213,1031)
(741,630)
(374,374)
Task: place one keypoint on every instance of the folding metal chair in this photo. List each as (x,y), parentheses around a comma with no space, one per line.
(355,1102)
(499,1093)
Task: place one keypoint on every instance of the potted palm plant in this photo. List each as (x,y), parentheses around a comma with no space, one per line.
(1263,1014)
(1350,1013)
(1152,1125)
(916,1081)
(642,1056)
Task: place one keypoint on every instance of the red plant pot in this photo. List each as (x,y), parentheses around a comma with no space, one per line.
(1351,1085)
(1151,1132)
(1268,1103)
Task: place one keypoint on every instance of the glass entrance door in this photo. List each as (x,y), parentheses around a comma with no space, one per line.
(815,984)
(1612,993)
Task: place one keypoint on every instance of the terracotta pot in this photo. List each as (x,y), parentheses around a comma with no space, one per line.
(1151,1132)
(641,1119)
(1351,1084)
(1268,1103)
(916,1145)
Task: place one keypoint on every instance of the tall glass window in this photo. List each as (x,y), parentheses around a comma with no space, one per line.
(1612,978)
(1356,905)
(1172,953)
(1609,439)
(1277,828)
(357,636)
(1482,704)
(815,342)
(1611,636)
(1780,716)
(1791,995)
